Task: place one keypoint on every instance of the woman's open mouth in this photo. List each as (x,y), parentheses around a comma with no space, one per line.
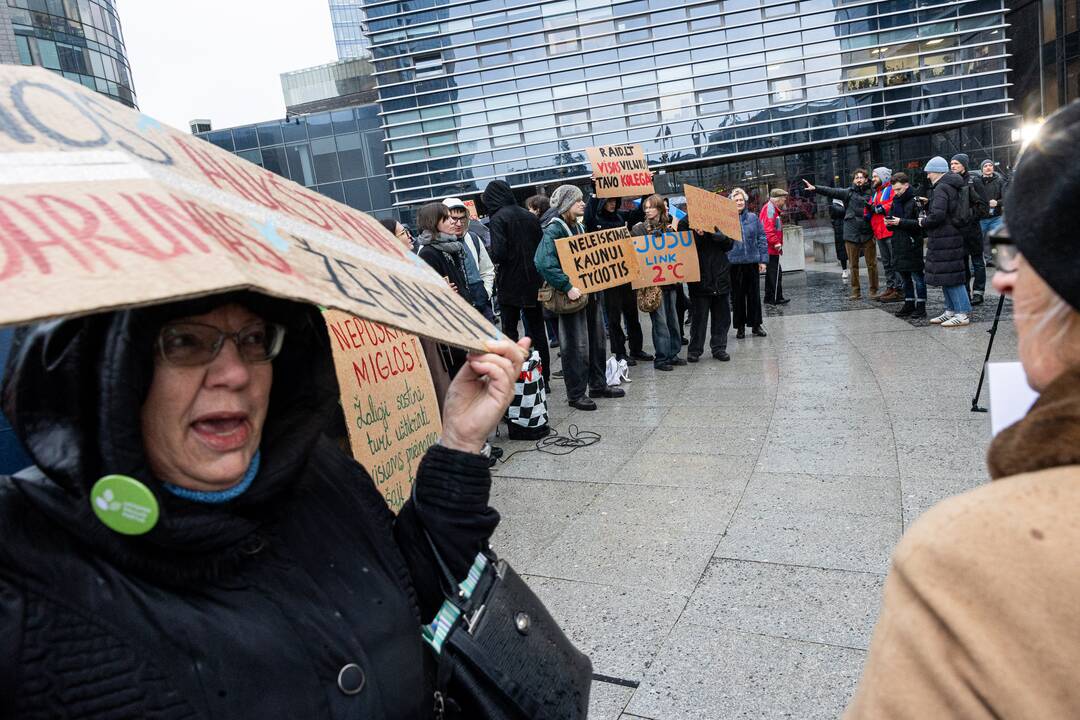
(224,431)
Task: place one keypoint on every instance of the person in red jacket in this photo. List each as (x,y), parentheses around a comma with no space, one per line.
(880,208)
(774,237)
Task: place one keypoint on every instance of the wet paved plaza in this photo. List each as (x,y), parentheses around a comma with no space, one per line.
(720,553)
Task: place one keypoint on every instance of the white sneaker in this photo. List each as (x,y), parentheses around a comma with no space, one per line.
(845,275)
(942,317)
(957,320)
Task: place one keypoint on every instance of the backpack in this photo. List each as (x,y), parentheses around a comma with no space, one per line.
(527,417)
(967,206)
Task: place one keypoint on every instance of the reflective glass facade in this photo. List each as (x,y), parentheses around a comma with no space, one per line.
(473,91)
(338,153)
(80,39)
(347,17)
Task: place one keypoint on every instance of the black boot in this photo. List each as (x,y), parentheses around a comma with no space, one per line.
(909,307)
(919,312)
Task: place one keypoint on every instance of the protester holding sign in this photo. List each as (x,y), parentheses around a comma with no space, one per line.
(666,335)
(582,332)
(191,543)
(620,301)
(748,260)
(711,295)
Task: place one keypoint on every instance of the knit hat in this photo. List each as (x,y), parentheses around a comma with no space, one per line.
(564,197)
(453,202)
(884,173)
(937,164)
(962,159)
(986,162)
(1046,180)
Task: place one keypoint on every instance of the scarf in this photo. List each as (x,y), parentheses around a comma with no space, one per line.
(1048,436)
(453,246)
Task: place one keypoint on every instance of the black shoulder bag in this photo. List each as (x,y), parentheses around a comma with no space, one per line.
(500,654)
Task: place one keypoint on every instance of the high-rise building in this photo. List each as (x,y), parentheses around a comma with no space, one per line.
(719,92)
(79,39)
(347,17)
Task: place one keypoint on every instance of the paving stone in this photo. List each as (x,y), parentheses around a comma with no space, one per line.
(834,607)
(606,701)
(694,509)
(683,470)
(707,672)
(620,629)
(829,445)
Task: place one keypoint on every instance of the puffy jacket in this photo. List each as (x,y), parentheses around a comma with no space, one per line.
(515,235)
(254,608)
(774,228)
(712,250)
(880,207)
(856,226)
(547,257)
(907,237)
(753,250)
(991,188)
(946,256)
(972,231)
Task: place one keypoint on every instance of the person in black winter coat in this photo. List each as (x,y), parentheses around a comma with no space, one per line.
(907,246)
(858,236)
(946,255)
(446,254)
(243,566)
(515,235)
(620,301)
(711,296)
(991,186)
(975,268)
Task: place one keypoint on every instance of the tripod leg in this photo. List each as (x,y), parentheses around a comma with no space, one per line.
(989,346)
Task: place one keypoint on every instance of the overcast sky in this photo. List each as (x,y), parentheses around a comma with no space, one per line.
(220,59)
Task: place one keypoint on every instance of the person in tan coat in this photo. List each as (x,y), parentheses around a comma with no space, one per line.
(981,614)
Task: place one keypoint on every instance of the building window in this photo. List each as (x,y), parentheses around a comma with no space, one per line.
(562,41)
(506,134)
(641,113)
(427,66)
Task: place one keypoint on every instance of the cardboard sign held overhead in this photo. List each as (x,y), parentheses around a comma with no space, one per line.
(666,259)
(620,170)
(708,210)
(470,205)
(388,398)
(103,207)
(598,260)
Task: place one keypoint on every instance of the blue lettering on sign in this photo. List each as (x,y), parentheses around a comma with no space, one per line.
(96,110)
(657,259)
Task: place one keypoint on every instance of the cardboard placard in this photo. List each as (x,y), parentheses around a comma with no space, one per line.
(102,207)
(598,260)
(388,398)
(470,205)
(620,171)
(666,259)
(708,210)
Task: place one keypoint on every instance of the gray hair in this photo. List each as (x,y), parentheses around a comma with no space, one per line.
(738,191)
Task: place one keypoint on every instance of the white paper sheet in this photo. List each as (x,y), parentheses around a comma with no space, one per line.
(1010,395)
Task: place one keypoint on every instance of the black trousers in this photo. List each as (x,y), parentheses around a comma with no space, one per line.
(534,323)
(838,241)
(682,306)
(774,280)
(621,304)
(583,352)
(701,307)
(745,295)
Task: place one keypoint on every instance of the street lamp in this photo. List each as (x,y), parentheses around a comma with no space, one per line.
(1026,133)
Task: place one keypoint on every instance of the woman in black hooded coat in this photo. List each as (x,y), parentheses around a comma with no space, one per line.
(301,596)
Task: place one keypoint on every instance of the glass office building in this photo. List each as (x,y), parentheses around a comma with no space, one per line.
(337,153)
(742,89)
(347,17)
(80,39)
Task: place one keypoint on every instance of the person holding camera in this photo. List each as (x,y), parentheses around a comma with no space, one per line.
(907,247)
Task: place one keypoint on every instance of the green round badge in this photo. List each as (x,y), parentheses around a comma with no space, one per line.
(124,504)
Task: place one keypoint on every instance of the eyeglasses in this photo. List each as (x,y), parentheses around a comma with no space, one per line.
(457,218)
(404,233)
(1005,254)
(188,344)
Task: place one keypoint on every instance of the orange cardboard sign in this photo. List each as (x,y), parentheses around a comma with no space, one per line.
(708,211)
(598,260)
(470,205)
(666,259)
(620,171)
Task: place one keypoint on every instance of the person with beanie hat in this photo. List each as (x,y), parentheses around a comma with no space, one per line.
(880,207)
(907,246)
(946,257)
(975,265)
(990,185)
(979,618)
(581,333)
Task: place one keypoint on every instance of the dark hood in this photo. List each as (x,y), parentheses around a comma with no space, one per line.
(497,195)
(953,180)
(73,391)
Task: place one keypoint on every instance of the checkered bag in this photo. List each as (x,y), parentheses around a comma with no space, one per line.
(527,417)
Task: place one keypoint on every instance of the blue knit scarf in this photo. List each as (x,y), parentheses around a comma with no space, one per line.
(217,497)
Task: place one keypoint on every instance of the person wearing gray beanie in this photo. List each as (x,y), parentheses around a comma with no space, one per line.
(581,332)
(975,265)
(881,201)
